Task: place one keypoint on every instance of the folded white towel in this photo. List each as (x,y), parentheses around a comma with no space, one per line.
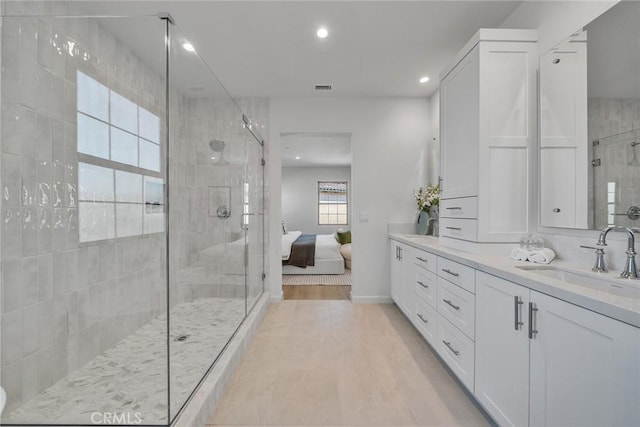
(542,256)
(520,254)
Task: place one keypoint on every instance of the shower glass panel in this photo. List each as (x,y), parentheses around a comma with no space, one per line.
(83,239)
(210,197)
(616,180)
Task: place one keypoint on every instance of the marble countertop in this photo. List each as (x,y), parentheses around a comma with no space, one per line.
(625,309)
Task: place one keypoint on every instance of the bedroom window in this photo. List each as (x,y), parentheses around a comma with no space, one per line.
(332,203)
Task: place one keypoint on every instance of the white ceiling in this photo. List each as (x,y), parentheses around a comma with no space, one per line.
(374,48)
(316,149)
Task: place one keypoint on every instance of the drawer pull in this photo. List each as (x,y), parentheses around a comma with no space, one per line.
(455,208)
(533,329)
(422,259)
(423,285)
(450,272)
(422,318)
(455,307)
(454,228)
(448,344)
(517,304)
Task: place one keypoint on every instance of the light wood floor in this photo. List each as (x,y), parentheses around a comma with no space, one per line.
(334,363)
(326,292)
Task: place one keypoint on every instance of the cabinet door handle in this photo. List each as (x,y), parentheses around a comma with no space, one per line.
(422,259)
(422,284)
(556,210)
(400,253)
(517,307)
(450,272)
(532,318)
(455,208)
(455,307)
(448,344)
(422,318)
(454,228)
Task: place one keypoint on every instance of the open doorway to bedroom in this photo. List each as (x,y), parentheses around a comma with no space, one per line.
(316,215)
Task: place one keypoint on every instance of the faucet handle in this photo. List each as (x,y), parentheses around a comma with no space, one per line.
(599,266)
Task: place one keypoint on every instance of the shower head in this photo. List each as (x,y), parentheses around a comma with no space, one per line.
(216,145)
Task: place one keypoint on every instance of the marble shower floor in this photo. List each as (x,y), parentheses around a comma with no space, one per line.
(131,376)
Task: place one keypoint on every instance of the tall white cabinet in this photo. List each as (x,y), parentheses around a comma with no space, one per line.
(488,132)
(564,149)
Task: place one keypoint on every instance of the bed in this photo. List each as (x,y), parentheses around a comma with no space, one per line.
(328,259)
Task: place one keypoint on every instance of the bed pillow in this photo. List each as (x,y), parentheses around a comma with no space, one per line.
(344,237)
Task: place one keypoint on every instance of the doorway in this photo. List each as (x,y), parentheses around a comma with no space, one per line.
(316,208)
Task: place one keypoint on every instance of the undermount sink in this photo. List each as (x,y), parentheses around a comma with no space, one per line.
(621,287)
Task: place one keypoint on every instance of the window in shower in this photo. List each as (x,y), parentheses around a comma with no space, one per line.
(120,190)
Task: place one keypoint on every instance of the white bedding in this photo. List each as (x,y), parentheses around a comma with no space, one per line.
(326,246)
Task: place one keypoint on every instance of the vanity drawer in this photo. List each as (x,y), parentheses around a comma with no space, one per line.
(426,320)
(457,351)
(458,306)
(426,260)
(461,275)
(427,286)
(464,207)
(464,229)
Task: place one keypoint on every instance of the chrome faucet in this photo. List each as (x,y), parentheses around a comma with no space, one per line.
(630,270)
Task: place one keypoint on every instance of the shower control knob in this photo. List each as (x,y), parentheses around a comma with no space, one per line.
(223,212)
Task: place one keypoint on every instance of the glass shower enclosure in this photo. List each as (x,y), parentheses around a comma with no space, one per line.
(132,238)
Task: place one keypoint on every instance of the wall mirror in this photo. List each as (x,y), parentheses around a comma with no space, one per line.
(590,124)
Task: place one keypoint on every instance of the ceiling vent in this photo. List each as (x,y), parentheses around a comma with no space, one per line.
(323,87)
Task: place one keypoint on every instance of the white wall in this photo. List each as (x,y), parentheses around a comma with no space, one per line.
(433,160)
(389,151)
(300,197)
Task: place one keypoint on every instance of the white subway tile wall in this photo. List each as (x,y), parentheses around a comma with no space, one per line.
(63,301)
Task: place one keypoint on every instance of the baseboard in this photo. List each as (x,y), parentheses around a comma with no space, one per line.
(276,298)
(370,300)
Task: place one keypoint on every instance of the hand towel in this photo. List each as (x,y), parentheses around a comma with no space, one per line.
(519,254)
(542,256)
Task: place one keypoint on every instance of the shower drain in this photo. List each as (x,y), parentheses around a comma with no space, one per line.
(182,337)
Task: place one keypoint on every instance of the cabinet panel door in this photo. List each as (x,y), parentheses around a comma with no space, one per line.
(459,129)
(396,272)
(502,351)
(585,367)
(558,191)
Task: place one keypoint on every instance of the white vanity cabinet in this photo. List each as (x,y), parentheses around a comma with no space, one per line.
(541,361)
(402,277)
(584,367)
(502,350)
(488,133)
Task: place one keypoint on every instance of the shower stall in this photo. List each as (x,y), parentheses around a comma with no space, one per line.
(132,243)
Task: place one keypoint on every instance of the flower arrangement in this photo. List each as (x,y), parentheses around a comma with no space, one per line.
(427,197)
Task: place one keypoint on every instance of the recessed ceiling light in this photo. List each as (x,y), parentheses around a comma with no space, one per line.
(424,79)
(188,47)
(322,32)
(297,157)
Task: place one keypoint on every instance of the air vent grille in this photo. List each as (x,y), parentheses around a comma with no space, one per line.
(323,87)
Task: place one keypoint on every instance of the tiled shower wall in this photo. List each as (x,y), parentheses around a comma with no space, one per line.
(209,251)
(63,302)
(611,121)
